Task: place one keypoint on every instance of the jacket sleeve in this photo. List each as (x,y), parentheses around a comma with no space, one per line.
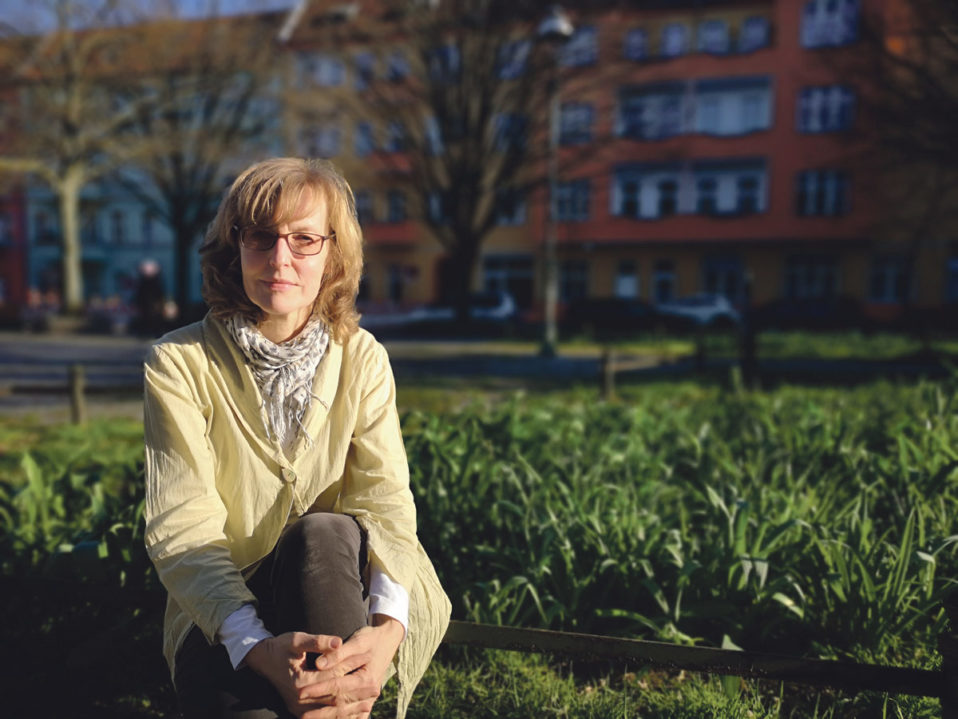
(376,482)
(185,516)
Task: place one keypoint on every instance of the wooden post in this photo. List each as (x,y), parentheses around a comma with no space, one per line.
(948,648)
(77,397)
(700,352)
(608,373)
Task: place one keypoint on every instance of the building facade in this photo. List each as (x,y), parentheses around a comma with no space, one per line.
(708,146)
(703,147)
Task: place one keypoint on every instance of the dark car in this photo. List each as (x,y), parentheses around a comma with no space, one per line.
(825,313)
(610,317)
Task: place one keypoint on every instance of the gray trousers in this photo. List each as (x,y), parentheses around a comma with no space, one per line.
(312,581)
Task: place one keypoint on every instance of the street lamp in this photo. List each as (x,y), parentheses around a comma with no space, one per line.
(553,31)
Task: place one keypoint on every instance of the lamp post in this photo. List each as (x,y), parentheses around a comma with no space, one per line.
(553,31)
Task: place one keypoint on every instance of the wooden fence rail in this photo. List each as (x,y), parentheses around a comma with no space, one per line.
(590,647)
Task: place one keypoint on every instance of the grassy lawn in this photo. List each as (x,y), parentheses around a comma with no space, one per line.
(812,521)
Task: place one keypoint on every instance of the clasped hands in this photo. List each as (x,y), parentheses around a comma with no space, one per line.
(347,676)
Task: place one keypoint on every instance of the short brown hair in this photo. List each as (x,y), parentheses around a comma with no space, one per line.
(268,194)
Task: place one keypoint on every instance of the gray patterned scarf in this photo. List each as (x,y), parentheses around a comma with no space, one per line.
(284,372)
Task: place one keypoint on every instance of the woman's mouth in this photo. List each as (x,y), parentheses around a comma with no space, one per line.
(277,284)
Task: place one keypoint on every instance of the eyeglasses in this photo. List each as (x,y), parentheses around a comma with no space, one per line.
(300,243)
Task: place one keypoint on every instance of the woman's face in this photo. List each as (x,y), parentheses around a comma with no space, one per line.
(285,285)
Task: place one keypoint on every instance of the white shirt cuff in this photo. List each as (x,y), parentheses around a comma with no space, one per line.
(241,631)
(387,597)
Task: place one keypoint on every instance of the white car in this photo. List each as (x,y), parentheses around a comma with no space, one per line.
(702,310)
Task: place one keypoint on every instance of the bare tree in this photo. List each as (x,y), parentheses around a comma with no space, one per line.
(911,76)
(214,105)
(68,84)
(461,92)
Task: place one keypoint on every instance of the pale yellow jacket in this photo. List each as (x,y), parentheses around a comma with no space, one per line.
(219,491)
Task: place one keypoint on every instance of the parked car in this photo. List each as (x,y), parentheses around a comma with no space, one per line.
(606,317)
(488,311)
(700,310)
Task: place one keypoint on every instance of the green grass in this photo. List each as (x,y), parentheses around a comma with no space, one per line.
(809,521)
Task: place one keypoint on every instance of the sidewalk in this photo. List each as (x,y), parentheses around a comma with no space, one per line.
(34,368)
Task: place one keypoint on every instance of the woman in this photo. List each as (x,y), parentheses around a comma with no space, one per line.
(278,510)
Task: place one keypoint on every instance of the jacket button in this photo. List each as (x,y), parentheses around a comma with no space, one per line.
(288,475)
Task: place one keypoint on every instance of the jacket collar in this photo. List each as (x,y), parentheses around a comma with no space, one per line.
(246,400)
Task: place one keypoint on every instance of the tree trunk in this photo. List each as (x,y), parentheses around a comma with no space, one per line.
(181,267)
(462,261)
(71,259)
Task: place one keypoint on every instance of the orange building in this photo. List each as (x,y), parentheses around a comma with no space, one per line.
(703,147)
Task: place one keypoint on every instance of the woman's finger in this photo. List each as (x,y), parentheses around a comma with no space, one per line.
(336,668)
(301,643)
(358,684)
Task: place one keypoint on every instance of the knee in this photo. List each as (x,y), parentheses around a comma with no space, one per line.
(326,534)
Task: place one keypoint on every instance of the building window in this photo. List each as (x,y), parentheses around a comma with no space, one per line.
(395,282)
(509,273)
(706,196)
(510,132)
(636,44)
(397,68)
(395,137)
(675,40)
(729,186)
(322,69)
(628,204)
(668,198)
(733,105)
(663,281)
(363,142)
(575,123)
(708,115)
(438,208)
(626,280)
(651,112)
(826,109)
(724,275)
(888,280)
(445,64)
(88,228)
(433,136)
(581,49)
(713,37)
(396,206)
(829,23)
(319,141)
(147,225)
(811,277)
(118,227)
(747,195)
(572,201)
(513,57)
(365,69)
(821,193)
(43,232)
(326,142)
(364,207)
(754,34)
(510,207)
(573,280)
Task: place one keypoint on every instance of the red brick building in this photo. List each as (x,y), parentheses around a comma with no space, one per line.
(704,146)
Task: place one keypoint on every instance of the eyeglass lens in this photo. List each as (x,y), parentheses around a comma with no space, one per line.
(302,243)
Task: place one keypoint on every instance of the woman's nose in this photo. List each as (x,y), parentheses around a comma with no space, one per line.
(280,255)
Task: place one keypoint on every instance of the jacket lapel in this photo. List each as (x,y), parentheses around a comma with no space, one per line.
(325,386)
(240,390)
